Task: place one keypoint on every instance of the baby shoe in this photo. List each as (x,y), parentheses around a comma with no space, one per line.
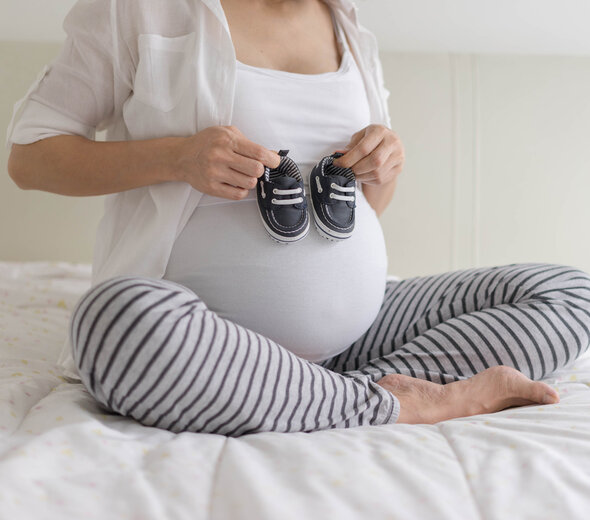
(333,211)
(281,201)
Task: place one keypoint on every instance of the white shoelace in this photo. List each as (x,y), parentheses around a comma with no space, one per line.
(278,191)
(335,186)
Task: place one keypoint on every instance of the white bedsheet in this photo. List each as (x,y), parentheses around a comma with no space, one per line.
(62,457)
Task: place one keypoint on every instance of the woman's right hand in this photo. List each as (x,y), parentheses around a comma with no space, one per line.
(222,162)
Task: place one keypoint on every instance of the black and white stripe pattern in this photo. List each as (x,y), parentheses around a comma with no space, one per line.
(150,349)
(329,168)
(287,166)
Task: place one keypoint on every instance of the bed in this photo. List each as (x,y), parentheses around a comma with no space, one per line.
(63,457)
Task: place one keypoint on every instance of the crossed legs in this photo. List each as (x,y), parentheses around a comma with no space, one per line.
(152,350)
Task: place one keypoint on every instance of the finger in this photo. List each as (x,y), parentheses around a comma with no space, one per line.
(365,177)
(396,170)
(238,179)
(375,160)
(254,151)
(353,142)
(393,161)
(227,191)
(245,165)
(373,178)
(363,148)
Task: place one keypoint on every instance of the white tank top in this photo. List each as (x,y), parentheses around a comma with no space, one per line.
(311,115)
(314,297)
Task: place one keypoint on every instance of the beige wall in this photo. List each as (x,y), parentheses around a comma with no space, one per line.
(498,162)
(497,169)
(36,225)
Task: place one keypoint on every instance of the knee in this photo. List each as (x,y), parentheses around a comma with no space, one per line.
(117,312)
(126,330)
(547,281)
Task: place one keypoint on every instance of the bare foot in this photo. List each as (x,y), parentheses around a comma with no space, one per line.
(494,389)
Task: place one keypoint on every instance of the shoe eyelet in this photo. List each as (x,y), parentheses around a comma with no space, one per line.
(331,195)
(317,180)
(274,201)
(333,185)
(274,190)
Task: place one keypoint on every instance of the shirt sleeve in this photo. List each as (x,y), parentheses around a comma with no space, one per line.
(84,88)
(370,41)
(383,90)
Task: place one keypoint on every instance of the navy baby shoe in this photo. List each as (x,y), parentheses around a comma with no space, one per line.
(282,202)
(333,198)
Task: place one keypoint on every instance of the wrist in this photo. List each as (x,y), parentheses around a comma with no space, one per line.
(167,161)
(379,195)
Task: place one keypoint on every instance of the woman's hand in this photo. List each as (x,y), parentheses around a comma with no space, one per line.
(375,154)
(221,162)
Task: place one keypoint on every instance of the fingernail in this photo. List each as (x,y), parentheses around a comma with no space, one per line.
(548,399)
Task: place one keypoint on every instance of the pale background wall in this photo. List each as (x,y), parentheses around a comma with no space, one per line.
(492,106)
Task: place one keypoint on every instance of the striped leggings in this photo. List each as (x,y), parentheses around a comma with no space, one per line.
(150,349)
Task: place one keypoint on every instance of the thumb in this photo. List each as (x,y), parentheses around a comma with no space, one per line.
(356,138)
(344,149)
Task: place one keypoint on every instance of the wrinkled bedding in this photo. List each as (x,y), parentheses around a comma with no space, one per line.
(62,457)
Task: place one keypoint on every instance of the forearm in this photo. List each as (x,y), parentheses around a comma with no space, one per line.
(75,166)
(379,195)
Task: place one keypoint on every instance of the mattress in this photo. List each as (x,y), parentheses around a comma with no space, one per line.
(62,456)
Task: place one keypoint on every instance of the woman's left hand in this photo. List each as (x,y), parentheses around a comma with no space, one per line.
(375,154)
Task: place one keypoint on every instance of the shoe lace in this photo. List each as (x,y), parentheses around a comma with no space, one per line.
(335,186)
(278,191)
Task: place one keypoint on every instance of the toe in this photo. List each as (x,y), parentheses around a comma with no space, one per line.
(519,388)
(551,396)
(543,393)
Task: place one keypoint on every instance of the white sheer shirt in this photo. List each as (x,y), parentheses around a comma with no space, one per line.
(143,70)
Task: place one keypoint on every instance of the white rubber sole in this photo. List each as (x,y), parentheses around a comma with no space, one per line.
(281,239)
(325,232)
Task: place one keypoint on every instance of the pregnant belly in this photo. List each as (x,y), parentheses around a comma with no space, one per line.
(314,297)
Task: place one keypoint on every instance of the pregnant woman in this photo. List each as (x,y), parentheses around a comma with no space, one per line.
(196,319)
